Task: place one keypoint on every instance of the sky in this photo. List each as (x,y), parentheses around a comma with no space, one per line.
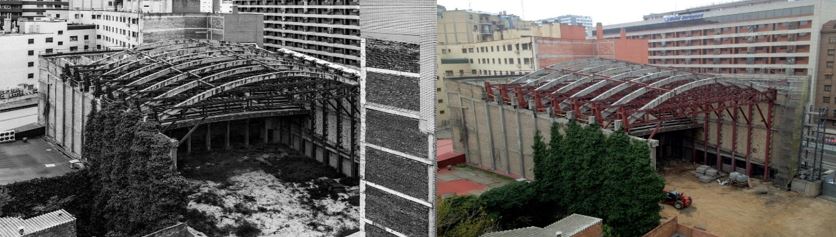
(607,12)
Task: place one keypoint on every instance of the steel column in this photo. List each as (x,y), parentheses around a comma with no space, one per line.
(719,141)
(749,141)
(768,145)
(734,138)
(705,139)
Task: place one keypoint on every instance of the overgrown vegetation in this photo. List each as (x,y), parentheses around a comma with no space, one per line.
(129,189)
(582,172)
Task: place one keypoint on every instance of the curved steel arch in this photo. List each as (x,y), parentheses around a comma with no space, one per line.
(238,83)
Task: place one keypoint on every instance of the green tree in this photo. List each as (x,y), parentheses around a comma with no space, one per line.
(5,198)
(463,217)
(540,154)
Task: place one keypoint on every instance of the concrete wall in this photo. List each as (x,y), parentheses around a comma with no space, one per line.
(185,6)
(157,27)
(671,226)
(63,109)
(398,142)
(244,28)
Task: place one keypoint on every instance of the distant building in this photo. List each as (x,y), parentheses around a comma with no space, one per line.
(775,37)
(329,30)
(15,9)
(826,96)
(21,46)
(575,225)
(585,21)
(56,223)
(465,26)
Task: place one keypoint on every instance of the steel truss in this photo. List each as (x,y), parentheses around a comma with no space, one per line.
(183,83)
(644,100)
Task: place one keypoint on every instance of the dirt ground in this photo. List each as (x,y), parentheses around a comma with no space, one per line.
(731,211)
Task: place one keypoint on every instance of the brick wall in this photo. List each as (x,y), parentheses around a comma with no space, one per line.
(398,161)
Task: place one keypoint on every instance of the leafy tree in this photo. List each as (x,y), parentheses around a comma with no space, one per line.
(463,217)
(540,153)
(5,198)
(514,202)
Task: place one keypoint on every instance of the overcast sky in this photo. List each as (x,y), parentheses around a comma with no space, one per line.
(607,12)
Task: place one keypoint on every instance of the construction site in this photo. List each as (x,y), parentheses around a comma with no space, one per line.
(732,124)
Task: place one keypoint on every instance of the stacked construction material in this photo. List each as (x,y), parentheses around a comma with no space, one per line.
(706,174)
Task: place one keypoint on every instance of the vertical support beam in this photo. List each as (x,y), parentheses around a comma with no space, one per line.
(355,168)
(520,142)
(189,145)
(705,139)
(768,145)
(264,131)
(749,141)
(247,134)
(505,138)
(476,132)
(490,133)
(226,141)
(326,155)
(339,126)
(208,136)
(734,138)
(719,143)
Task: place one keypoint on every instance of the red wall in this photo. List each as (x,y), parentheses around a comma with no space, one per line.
(551,50)
(572,32)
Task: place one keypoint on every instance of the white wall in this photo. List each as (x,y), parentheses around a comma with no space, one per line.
(14,58)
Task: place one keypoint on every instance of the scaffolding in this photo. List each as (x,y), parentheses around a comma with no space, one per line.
(812,145)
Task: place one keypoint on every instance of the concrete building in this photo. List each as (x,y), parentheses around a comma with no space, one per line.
(138,6)
(465,26)
(776,37)
(526,54)
(15,9)
(326,29)
(20,50)
(585,21)
(124,30)
(826,97)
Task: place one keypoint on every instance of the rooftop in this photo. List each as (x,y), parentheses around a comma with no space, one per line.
(9,226)
(569,226)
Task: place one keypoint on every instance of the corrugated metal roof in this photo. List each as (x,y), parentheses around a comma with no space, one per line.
(569,226)
(9,226)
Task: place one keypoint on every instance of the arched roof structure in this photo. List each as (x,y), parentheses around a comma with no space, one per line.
(187,81)
(640,97)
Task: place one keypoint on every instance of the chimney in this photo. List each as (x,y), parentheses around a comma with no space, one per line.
(599,31)
(623,34)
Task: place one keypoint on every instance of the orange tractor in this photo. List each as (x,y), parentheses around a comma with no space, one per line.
(677,200)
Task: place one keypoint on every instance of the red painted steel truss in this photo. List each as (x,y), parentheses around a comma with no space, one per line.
(644,99)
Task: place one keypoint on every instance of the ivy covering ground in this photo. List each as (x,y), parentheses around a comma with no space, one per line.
(582,172)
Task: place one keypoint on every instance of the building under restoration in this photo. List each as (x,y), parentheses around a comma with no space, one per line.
(210,95)
(734,124)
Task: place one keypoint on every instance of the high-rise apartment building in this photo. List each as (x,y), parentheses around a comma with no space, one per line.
(776,37)
(585,21)
(326,29)
(825,95)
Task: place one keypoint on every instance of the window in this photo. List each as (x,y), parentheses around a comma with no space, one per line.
(464,50)
(31,41)
(30,64)
(86,47)
(832,40)
(440,101)
(60,42)
(98,46)
(30,75)
(98,36)
(527,61)
(31,53)
(827,87)
(74,38)
(73,48)
(829,64)
(525,46)
(828,77)
(86,37)
(473,71)
(831,52)
(448,73)
(60,32)
(438,89)
(49,39)
(48,50)
(825,99)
